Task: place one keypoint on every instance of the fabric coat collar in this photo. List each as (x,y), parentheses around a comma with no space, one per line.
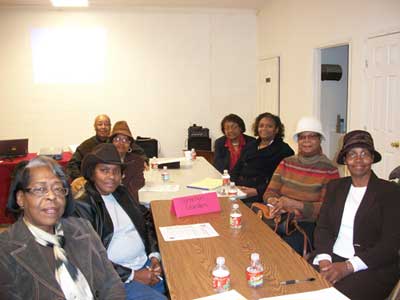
(26,252)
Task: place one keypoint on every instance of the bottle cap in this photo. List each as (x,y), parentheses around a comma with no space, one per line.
(232,183)
(236,206)
(225,171)
(220,260)
(165,167)
(255,256)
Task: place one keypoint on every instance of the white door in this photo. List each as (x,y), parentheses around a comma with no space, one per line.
(268,83)
(383,122)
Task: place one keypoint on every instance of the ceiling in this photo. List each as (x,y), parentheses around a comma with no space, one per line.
(230,4)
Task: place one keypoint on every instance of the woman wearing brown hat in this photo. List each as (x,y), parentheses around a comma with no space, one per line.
(124,226)
(132,155)
(357,235)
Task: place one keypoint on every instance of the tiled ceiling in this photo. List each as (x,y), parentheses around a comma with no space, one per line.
(236,4)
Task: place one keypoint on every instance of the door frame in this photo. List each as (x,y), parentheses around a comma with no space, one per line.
(317,78)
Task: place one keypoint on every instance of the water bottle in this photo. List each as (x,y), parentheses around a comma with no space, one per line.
(255,272)
(225,182)
(193,154)
(154,163)
(165,174)
(221,278)
(232,191)
(235,218)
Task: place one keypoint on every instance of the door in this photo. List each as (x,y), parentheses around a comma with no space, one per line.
(268,82)
(383,122)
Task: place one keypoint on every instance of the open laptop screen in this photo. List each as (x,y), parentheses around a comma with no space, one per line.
(13,148)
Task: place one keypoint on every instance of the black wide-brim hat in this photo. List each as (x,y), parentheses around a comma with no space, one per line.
(105,153)
(358,139)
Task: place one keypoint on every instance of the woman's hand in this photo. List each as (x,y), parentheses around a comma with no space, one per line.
(333,272)
(250,192)
(156,266)
(146,276)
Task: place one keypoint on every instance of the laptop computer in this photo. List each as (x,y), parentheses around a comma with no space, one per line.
(13,148)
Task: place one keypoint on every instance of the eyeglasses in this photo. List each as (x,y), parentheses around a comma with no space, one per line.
(231,127)
(311,137)
(41,191)
(351,155)
(124,140)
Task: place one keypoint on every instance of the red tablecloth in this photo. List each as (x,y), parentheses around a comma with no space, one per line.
(6,168)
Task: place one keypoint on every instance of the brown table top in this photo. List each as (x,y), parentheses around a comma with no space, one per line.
(188,264)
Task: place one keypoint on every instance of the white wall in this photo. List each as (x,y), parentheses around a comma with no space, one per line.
(293,29)
(164,70)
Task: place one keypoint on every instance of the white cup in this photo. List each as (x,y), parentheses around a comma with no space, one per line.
(188,154)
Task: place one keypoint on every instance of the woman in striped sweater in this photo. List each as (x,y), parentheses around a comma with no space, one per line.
(299,182)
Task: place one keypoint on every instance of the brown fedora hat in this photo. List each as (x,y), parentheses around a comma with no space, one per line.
(354,139)
(121,127)
(105,153)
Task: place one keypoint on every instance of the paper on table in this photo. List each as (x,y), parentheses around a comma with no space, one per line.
(160,188)
(231,295)
(206,184)
(329,293)
(187,232)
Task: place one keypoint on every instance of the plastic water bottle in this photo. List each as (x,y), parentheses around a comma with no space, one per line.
(154,163)
(255,272)
(226,178)
(232,191)
(235,218)
(221,278)
(193,153)
(165,174)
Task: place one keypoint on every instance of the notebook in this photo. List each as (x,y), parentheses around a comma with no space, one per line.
(13,148)
(206,184)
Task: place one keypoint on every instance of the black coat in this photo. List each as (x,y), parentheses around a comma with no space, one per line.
(255,167)
(222,156)
(376,236)
(91,206)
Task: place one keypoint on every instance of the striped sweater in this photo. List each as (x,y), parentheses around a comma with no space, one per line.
(303,179)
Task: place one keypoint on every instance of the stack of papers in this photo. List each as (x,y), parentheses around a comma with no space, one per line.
(188,232)
(231,295)
(329,294)
(206,184)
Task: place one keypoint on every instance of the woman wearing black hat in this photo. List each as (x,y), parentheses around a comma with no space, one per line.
(357,235)
(46,255)
(124,226)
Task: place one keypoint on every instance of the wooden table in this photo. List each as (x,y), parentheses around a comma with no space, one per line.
(188,173)
(188,264)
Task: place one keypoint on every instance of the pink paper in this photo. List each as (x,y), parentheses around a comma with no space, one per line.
(195,204)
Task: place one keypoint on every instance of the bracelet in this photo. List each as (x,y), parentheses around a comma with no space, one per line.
(349,267)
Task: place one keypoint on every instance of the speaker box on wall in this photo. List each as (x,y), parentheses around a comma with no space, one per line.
(150,146)
(199,143)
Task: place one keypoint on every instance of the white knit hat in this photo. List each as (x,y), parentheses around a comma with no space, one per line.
(308,124)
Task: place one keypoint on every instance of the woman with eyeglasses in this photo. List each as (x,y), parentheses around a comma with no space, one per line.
(260,157)
(357,237)
(132,155)
(299,182)
(47,255)
(228,147)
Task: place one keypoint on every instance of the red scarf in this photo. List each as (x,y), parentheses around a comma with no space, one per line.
(235,153)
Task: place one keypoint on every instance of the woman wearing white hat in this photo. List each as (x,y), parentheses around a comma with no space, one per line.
(299,182)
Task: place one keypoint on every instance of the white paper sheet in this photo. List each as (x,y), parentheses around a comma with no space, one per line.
(187,232)
(160,188)
(328,294)
(230,295)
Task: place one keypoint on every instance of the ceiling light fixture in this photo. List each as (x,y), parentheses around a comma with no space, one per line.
(70,3)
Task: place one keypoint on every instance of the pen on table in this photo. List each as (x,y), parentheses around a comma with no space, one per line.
(293,281)
(158,276)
